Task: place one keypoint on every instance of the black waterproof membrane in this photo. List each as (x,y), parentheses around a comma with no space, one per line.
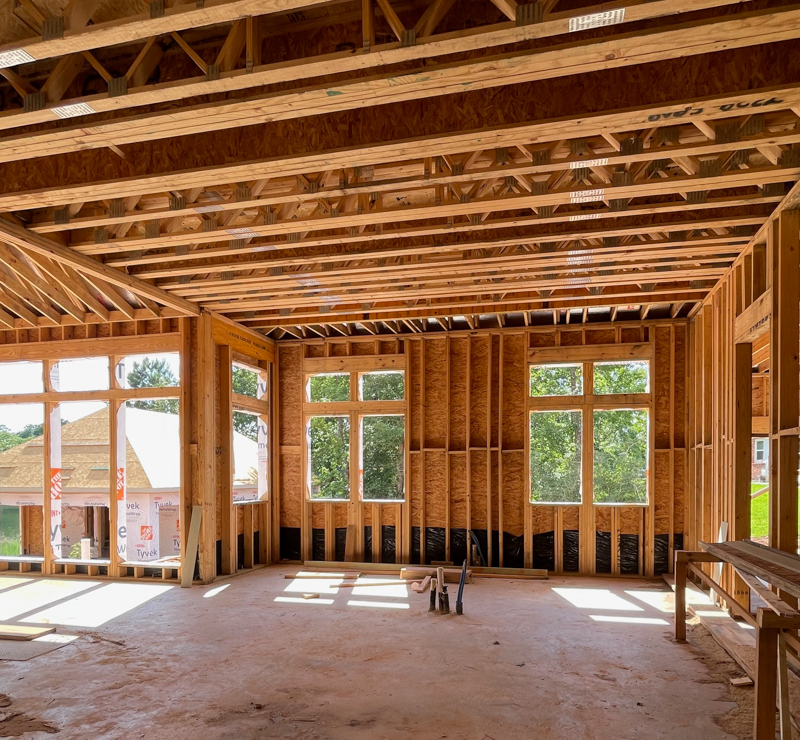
(629,554)
(219,557)
(290,543)
(571,547)
(435,544)
(318,544)
(603,552)
(240,551)
(415,546)
(458,546)
(513,551)
(388,543)
(661,554)
(368,544)
(544,550)
(341,544)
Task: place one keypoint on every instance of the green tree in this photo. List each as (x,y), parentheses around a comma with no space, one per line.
(245,382)
(153,373)
(382,386)
(329,438)
(8,439)
(383,456)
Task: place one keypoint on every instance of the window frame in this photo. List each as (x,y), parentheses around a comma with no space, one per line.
(588,403)
(356,410)
(116,396)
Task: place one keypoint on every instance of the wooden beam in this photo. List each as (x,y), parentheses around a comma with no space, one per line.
(39,244)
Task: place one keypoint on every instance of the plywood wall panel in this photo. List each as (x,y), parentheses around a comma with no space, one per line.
(478,489)
(435,488)
(459,346)
(514,392)
(436,393)
(290,390)
(458,491)
(513,492)
(660,375)
(479,399)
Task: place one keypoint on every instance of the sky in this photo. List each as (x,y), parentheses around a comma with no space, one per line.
(73,375)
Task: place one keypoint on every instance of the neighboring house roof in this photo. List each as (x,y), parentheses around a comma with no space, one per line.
(153,455)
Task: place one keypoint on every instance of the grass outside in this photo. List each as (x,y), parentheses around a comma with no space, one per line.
(9,530)
(759,512)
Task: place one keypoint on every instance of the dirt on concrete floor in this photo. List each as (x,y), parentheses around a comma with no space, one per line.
(560,659)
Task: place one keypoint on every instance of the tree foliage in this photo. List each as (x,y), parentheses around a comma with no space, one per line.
(245,383)
(329,438)
(383,448)
(153,373)
(620,456)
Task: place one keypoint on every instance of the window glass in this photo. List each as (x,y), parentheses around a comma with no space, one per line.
(382,386)
(150,371)
(21,478)
(152,478)
(329,450)
(382,457)
(329,387)
(557,380)
(83,374)
(621,377)
(85,478)
(245,381)
(21,377)
(555,456)
(620,456)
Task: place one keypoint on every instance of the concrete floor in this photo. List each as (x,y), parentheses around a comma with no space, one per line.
(566,658)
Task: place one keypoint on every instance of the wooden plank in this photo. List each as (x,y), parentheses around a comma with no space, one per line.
(190,555)
(697,37)
(241,339)
(753,322)
(353,364)
(29,241)
(591,353)
(22,632)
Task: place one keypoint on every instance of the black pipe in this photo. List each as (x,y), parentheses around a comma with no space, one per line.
(462,581)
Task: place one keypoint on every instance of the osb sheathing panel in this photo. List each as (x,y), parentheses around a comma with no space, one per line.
(435,409)
(760,396)
(479,401)
(414,388)
(543,519)
(494,393)
(631,334)
(362,348)
(630,518)
(315,350)
(571,338)
(570,517)
(478,490)
(513,497)
(679,399)
(318,515)
(389,347)
(458,491)
(415,498)
(661,477)
(494,486)
(680,491)
(600,336)
(239,519)
(435,488)
(458,393)
(339,515)
(388,516)
(542,339)
(514,376)
(602,519)
(338,349)
(291,490)
(290,390)
(660,372)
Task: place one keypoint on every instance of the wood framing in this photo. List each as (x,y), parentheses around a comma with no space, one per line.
(466,437)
